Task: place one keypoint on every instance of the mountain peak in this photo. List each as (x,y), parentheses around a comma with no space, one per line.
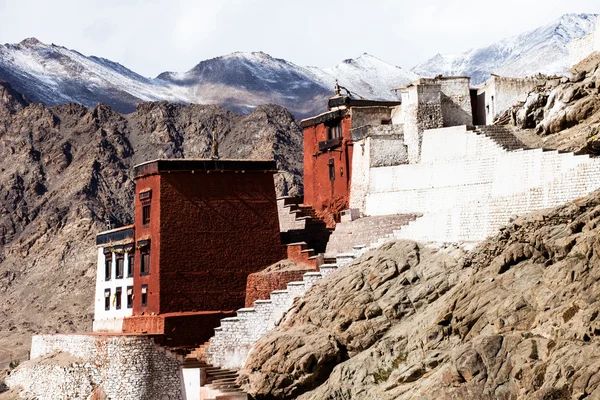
(31,42)
(542,50)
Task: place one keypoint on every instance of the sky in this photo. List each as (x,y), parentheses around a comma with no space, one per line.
(154,36)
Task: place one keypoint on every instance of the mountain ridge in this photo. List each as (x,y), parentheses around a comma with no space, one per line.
(541,50)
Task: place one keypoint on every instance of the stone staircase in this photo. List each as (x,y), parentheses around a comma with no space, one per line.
(217,383)
(505,185)
(300,223)
(364,231)
(502,135)
(234,339)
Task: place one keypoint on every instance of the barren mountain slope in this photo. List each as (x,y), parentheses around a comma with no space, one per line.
(65,171)
(516,318)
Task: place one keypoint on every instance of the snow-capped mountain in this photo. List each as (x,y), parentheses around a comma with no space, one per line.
(543,50)
(367,76)
(52,75)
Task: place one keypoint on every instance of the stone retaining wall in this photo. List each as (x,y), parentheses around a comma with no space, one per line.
(475,187)
(79,366)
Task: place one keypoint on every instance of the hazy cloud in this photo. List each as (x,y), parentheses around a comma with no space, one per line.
(153,36)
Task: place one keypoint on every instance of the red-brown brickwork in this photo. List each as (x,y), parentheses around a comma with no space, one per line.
(261,284)
(177,329)
(211,223)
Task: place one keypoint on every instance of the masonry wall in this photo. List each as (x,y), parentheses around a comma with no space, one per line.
(363,116)
(500,94)
(261,284)
(207,224)
(323,194)
(456,101)
(581,48)
(380,146)
(467,186)
(80,366)
(421,110)
(150,232)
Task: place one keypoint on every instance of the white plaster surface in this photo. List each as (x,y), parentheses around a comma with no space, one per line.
(581,48)
(192,381)
(110,320)
(476,187)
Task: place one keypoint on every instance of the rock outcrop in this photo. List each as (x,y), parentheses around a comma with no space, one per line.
(515,318)
(66,172)
(564,114)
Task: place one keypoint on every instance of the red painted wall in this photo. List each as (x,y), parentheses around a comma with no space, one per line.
(179,329)
(215,230)
(260,285)
(152,232)
(319,191)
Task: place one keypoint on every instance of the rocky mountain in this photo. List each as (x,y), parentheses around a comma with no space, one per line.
(66,171)
(542,50)
(515,318)
(54,75)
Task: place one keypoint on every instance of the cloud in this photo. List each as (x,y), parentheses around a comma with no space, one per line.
(153,36)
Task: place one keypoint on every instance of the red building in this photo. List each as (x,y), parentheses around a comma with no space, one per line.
(195,227)
(328,151)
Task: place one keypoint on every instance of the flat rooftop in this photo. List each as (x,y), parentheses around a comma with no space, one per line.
(188,165)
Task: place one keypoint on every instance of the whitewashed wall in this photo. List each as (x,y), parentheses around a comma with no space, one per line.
(110,320)
(467,187)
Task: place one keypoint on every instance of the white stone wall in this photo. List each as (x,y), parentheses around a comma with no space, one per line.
(456,101)
(581,48)
(359,184)
(287,219)
(467,187)
(77,366)
(234,339)
(502,93)
(111,320)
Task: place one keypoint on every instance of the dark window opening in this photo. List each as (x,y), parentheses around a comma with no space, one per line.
(145,263)
(120,266)
(331,169)
(334,131)
(146,215)
(130,264)
(129,296)
(386,121)
(144,295)
(106,299)
(107,266)
(118,294)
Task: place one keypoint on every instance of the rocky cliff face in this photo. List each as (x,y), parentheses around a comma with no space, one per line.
(65,172)
(515,318)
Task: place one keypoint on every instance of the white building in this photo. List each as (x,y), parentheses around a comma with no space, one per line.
(114,279)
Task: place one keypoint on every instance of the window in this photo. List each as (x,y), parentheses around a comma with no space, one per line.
(146,215)
(107,266)
(118,295)
(334,131)
(144,295)
(120,266)
(145,262)
(129,296)
(130,264)
(331,169)
(106,299)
